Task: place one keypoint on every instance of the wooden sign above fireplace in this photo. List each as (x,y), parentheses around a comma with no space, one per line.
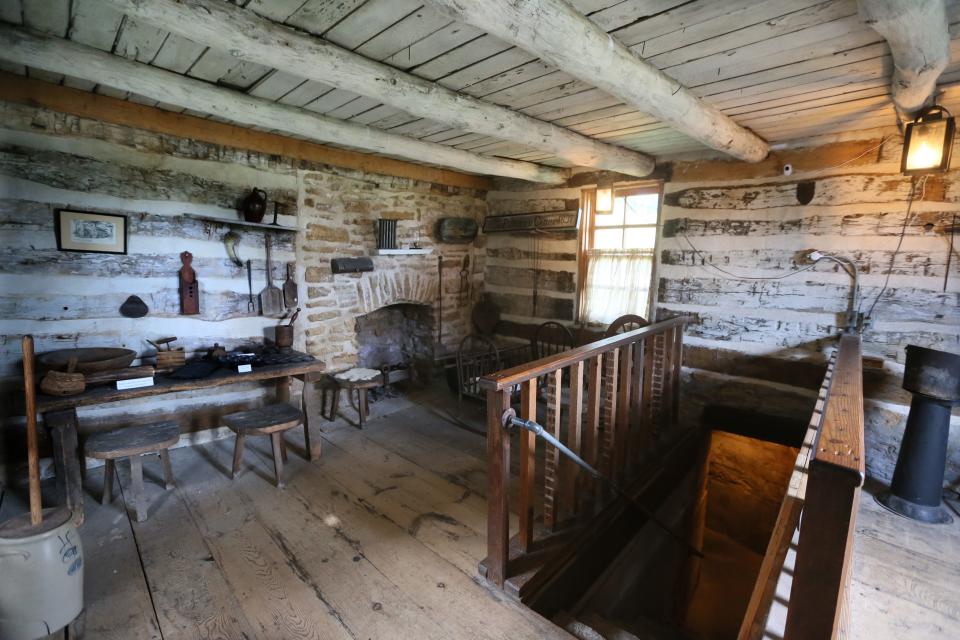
(546,221)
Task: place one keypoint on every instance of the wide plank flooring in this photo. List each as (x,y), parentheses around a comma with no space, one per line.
(379,539)
(905,583)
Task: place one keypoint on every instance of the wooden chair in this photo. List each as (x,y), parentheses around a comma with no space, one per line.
(133,442)
(624,324)
(550,339)
(272,420)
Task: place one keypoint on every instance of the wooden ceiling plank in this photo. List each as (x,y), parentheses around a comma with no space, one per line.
(436,44)
(559,35)
(757,32)
(176,54)
(48,16)
(139,40)
(355,107)
(254,38)
(319,16)
(823,39)
(369,20)
(275,85)
(333,99)
(305,93)
(11,11)
(460,58)
(94,24)
(376,114)
(279,10)
(57,55)
(767,24)
(403,34)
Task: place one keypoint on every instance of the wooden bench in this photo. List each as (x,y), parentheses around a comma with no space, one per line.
(271,420)
(133,442)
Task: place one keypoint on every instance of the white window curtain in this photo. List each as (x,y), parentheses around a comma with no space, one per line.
(618,282)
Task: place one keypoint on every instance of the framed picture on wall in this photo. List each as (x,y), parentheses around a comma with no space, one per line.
(90,232)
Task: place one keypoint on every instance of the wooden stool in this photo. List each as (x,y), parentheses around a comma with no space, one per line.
(132,442)
(361,387)
(271,420)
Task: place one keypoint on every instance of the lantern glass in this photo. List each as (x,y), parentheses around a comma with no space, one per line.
(604,200)
(927,145)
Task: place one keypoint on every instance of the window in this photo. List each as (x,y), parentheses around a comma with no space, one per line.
(618,255)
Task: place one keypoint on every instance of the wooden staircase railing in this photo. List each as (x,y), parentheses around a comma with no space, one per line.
(817,516)
(622,393)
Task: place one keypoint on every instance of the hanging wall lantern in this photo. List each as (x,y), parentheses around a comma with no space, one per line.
(927,142)
(603,203)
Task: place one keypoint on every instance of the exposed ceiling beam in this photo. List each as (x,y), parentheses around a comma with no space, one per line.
(250,37)
(62,56)
(556,32)
(919,37)
(93,106)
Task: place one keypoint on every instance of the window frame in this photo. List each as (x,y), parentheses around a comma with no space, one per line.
(586,238)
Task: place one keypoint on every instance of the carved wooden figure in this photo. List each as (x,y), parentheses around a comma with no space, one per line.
(189,287)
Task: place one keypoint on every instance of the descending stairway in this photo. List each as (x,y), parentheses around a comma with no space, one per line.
(594,627)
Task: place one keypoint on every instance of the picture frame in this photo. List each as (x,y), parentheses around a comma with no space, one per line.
(90,232)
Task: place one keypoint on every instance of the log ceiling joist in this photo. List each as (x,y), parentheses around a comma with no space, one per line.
(919,37)
(252,38)
(37,93)
(558,34)
(56,55)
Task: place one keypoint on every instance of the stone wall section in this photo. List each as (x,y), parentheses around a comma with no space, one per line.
(338,213)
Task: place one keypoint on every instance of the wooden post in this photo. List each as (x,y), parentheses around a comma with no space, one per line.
(823,553)
(622,438)
(528,463)
(552,460)
(33,458)
(591,434)
(574,418)
(66,458)
(498,488)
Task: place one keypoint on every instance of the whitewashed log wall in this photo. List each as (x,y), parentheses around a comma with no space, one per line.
(518,261)
(50,160)
(761,344)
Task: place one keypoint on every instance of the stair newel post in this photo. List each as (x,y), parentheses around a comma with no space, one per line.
(498,487)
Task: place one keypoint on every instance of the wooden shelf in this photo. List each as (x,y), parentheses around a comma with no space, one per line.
(242,223)
(404,252)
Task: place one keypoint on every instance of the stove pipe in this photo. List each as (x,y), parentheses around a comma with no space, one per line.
(933,377)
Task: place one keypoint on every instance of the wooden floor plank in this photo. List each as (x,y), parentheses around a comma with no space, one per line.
(117,600)
(191,594)
(272,594)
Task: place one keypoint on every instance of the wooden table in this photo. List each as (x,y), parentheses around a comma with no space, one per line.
(60,415)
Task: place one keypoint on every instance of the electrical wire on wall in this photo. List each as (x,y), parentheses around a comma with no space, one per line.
(907,218)
(848,266)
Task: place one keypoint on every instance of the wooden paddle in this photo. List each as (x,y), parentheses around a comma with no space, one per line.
(271,297)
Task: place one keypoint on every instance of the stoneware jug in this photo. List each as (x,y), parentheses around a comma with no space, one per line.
(254,205)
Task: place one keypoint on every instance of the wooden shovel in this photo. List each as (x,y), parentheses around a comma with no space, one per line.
(271,297)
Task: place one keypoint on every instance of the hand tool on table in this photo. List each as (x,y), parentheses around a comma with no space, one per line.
(290,293)
(250,306)
(271,298)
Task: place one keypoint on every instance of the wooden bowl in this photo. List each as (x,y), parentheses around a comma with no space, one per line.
(89,359)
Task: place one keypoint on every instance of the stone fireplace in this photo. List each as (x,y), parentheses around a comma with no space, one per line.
(350,317)
(397,335)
